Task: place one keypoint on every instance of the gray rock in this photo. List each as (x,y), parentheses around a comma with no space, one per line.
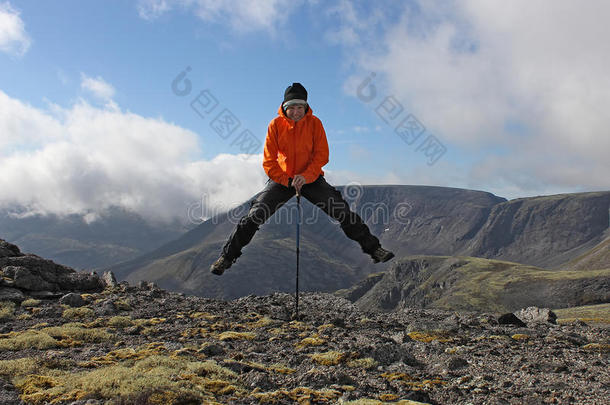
(455,363)
(213,350)
(34,273)
(106,307)
(82,282)
(8,249)
(44,294)
(73,300)
(11,294)
(26,279)
(388,353)
(511,319)
(49,312)
(109,279)
(537,315)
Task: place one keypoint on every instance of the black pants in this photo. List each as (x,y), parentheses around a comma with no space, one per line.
(319,193)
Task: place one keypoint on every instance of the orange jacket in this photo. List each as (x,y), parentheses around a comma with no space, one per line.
(293,148)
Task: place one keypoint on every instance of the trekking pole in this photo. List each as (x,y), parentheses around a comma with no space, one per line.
(298,234)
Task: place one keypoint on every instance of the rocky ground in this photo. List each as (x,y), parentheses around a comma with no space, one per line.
(142,345)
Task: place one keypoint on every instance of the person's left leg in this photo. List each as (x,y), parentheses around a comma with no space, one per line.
(327,198)
(262,207)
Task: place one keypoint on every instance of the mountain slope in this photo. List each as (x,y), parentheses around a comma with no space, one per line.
(596,258)
(467,283)
(543,231)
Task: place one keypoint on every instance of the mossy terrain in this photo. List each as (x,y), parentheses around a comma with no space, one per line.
(476,284)
(165,348)
(7,310)
(594,314)
(596,258)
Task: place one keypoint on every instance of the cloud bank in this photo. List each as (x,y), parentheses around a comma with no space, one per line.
(521,86)
(84,159)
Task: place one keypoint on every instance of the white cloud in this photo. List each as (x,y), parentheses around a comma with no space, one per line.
(242,16)
(98,87)
(87,159)
(152,9)
(474,71)
(14,39)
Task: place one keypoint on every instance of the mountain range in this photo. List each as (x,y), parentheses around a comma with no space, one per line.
(567,231)
(86,242)
(442,226)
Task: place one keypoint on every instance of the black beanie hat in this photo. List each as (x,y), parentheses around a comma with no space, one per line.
(295,94)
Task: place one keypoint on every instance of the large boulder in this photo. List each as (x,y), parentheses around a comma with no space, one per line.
(73,300)
(28,280)
(8,249)
(537,315)
(11,294)
(33,273)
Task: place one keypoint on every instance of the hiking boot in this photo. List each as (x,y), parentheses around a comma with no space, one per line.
(381,255)
(220,265)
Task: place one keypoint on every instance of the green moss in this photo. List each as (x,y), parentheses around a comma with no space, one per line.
(18,367)
(314,340)
(366,363)
(597,347)
(429,336)
(120,322)
(302,395)
(367,401)
(231,335)
(123,304)
(330,358)
(520,336)
(30,339)
(76,335)
(31,302)
(149,321)
(282,369)
(7,310)
(78,313)
(47,338)
(160,379)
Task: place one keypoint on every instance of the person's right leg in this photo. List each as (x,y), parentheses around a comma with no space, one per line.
(330,200)
(261,208)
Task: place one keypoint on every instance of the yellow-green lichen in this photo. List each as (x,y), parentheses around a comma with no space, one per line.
(78,313)
(30,302)
(430,336)
(7,310)
(120,322)
(232,335)
(162,379)
(330,358)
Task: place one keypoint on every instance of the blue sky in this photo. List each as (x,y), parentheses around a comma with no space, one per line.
(506,98)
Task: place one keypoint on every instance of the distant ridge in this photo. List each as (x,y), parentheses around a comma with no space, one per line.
(475,284)
(546,231)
